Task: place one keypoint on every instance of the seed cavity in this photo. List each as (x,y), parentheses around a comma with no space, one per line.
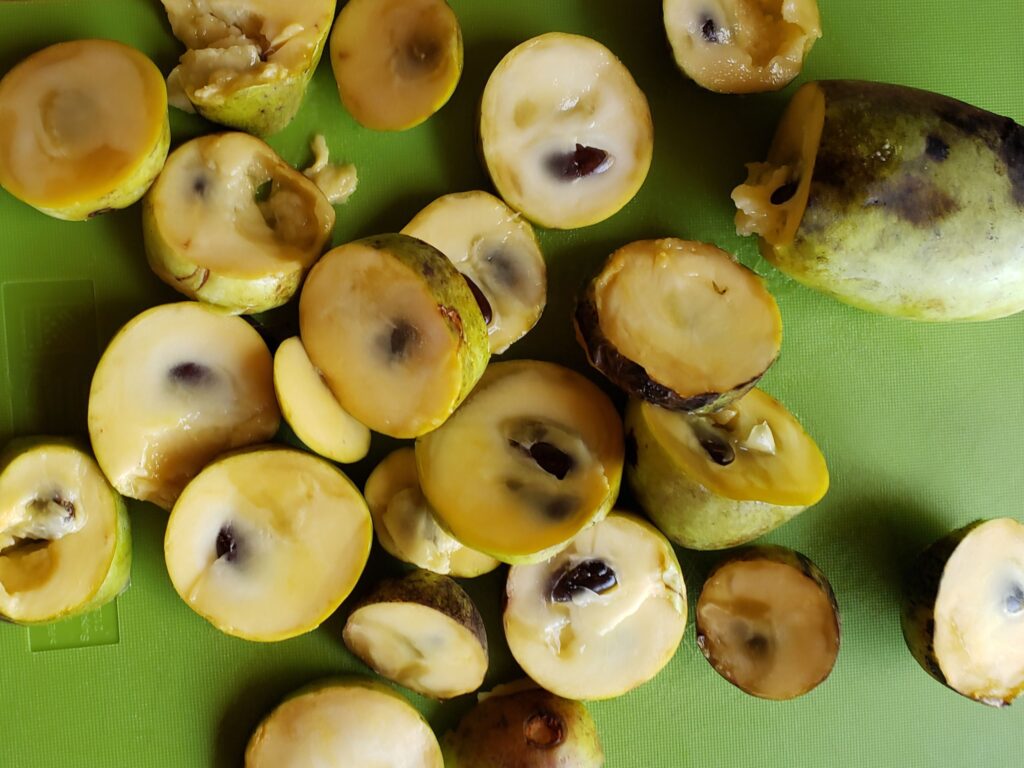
(784,193)
(579,163)
(591,575)
(543,729)
(710,31)
(228,544)
(418,57)
(200,185)
(1015,601)
(401,341)
(757,644)
(548,457)
(191,374)
(717,447)
(481,299)
(503,268)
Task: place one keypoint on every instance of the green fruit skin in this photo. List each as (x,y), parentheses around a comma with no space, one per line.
(686,512)
(916,207)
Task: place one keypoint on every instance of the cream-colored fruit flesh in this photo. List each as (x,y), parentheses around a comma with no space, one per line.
(302,536)
(344,724)
(337,182)
(311,410)
(498,250)
(396,62)
(768,628)
(83,128)
(597,646)
(418,647)
(695,319)
(742,46)
(151,431)
(979,613)
(547,96)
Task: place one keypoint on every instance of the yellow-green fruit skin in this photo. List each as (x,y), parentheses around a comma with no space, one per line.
(916,206)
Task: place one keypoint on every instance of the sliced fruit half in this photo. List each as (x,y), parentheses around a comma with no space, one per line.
(421,631)
(178,385)
(265,544)
(344,722)
(711,482)
(679,324)
(65,540)
(396,332)
(406,525)
(533,457)
(83,128)
(396,62)
(497,251)
(232,224)
(768,622)
(602,617)
(742,46)
(963,611)
(565,131)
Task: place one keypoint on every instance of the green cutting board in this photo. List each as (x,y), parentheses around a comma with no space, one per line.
(921,424)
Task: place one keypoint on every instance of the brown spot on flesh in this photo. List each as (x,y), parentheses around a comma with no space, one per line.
(915,200)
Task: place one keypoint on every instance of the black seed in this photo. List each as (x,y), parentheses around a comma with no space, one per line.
(582,161)
(631,449)
(544,729)
(594,575)
(481,300)
(504,270)
(1015,601)
(190,373)
(709,31)
(936,148)
(784,193)
(718,448)
(403,336)
(548,457)
(227,543)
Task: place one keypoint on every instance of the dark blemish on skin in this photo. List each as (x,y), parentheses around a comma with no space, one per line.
(453,317)
(593,575)
(428,270)
(544,729)
(936,148)
(914,200)
(1012,154)
(784,193)
(228,542)
(709,31)
(192,374)
(632,450)
(481,299)
(581,162)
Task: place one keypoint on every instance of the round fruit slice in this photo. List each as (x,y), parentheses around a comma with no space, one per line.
(497,252)
(711,482)
(83,128)
(602,617)
(65,541)
(531,458)
(177,386)
(311,410)
(566,133)
(406,525)
(232,224)
(522,725)
(963,612)
(396,332)
(345,722)
(768,622)
(396,62)
(742,46)
(679,324)
(265,544)
(421,631)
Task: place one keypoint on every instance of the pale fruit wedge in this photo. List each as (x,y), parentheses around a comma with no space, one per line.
(396,62)
(406,525)
(566,133)
(177,386)
(65,539)
(232,224)
(396,332)
(421,631)
(266,543)
(311,410)
(248,62)
(83,128)
(348,723)
(498,253)
(533,457)
(602,617)
(768,622)
(679,324)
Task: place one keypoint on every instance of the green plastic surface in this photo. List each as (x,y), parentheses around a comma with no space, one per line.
(921,424)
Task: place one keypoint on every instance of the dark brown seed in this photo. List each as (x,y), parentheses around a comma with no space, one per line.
(227,543)
(548,457)
(717,447)
(709,31)
(593,575)
(481,300)
(784,193)
(402,337)
(582,161)
(544,729)
(191,374)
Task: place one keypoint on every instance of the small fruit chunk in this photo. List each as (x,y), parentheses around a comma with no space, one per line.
(65,540)
(396,62)
(337,182)
(711,482)
(177,386)
(566,133)
(679,324)
(421,631)
(520,725)
(265,544)
(406,525)
(963,611)
(396,332)
(497,252)
(532,457)
(602,617)
(232,224)
(344,722)
(768,622)
(310,409)
(83,128)
(248,62)
(742,46)
(893,200)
